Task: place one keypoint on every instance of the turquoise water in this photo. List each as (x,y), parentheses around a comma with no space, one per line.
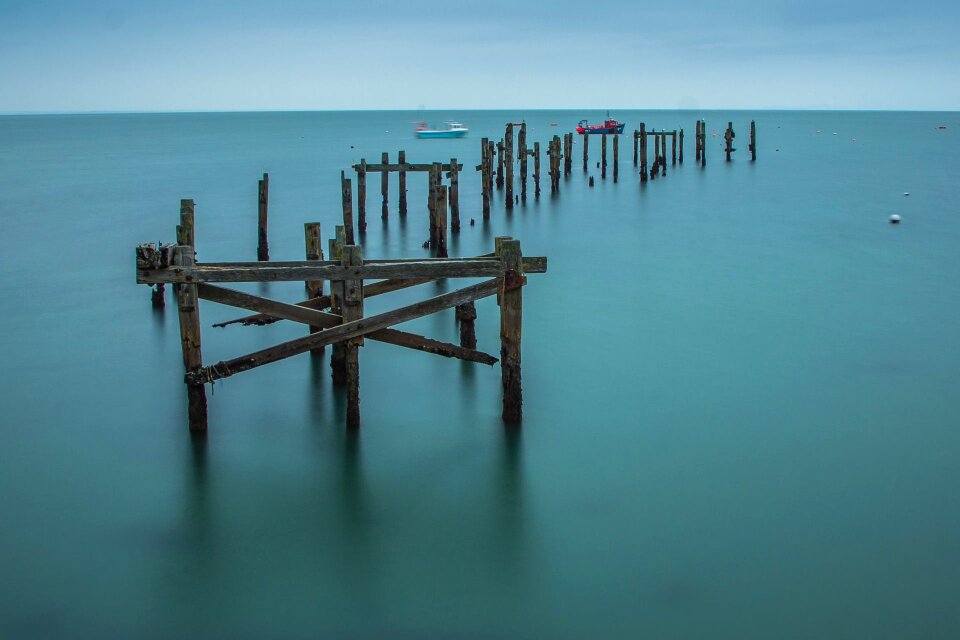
(740,393)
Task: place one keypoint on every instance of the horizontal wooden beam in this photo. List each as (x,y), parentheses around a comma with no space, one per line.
(346,331)
(319,270)
(378,168)
(636,134)
(321,319)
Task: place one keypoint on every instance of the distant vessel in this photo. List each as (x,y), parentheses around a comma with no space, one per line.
(610,125)
(452,130)
(941,126)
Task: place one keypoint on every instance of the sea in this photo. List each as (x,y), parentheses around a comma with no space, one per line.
(741,401)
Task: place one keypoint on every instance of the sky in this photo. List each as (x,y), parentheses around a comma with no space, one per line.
(212,55)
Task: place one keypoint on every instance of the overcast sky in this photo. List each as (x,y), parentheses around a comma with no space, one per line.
(106,55)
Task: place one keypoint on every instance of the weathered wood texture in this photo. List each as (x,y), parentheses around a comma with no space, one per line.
(454,197)
(511,321)
(466,315)
(681,146)
(361,200)
(188,310)
(603,157)
(508,164)
(348,330)
(346,197)
(536,169)
(485,176)
(586,145)
(352,311)
(384,186)
(616,156)
(402,179)
(728,137)
(314,252)
(522,156)
(753,140)
(263,194)
(643,152)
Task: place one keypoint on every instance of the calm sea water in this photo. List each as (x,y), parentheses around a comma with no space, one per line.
(741,407)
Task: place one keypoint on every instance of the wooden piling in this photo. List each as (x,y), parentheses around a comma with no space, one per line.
(603,157)
(643,152)
(508,164)
(536,169)
(433,189)
(500,164)
(511,328)
(681,146)
(263,250)
(696,142)
(352,310)
(314,251)
(586,140)
(361,198)
(616,156)
(466,316)
(485,176)
(402,159)
(522,155)
(703,143)
(338,359)
(188,310)
(346,197)
(454,193)
(567,154)
(753,140)
(673,154)
(491,151)
(728,136)
(384,184)
(636,136)
(440,211)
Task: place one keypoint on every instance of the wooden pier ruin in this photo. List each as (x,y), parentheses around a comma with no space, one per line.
(337,318)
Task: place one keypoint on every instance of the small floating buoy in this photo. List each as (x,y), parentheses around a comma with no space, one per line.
(895,219)
(472,222)
(906,193)
(834,133)
(591,181)
(776,149)
(553,124)
(854,139)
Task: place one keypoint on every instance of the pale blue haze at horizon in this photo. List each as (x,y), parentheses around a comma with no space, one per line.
(214,55)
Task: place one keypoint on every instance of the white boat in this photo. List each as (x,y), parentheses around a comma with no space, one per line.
(452,130)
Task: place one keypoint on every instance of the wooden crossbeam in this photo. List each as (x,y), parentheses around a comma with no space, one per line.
(377,168)
(637,134)
(325,270)
(322,302)
(320,319)
(346,331)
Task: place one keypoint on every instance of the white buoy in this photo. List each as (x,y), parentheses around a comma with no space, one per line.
(906,193)
(895,219)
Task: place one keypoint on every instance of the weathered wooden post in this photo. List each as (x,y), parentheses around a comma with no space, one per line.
(586,140)
(696,142)
(433,193)
(728,136)
(454,196)
(663,153)
(500,165)
(508,162)
(466,314)
(673,155)
(485,176)
(314,251)
(441,222)
(636,136)
(511,325)
(703,143)
(491,151)
(522,154)
(347,198)
(567,154)
(655,169)
(263,250)
(536,169)
(361,197)
(643,152)
(753,140)
(352,304)
(603,157)
(384,184)
(616,156)
(338,359)
(402,160)
(188,310)
(681,146)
